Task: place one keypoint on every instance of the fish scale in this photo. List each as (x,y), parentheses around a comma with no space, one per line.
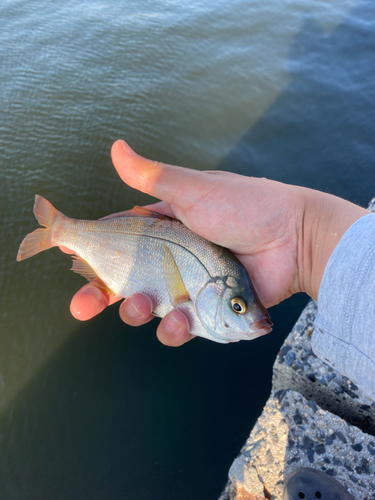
(213,257)
(118,264)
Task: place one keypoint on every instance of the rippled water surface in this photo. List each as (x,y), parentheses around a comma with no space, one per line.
(282,89)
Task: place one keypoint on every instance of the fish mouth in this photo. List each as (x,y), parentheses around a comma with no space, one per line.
(263,326)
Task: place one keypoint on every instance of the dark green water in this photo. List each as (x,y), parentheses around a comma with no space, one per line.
(285,90)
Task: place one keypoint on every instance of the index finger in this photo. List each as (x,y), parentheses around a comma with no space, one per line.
(90,301)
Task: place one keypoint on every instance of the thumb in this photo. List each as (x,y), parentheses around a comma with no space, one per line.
(179,186)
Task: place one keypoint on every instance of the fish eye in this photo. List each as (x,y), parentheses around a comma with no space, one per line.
(238,305)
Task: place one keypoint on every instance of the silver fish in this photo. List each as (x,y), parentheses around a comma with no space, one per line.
(145,252)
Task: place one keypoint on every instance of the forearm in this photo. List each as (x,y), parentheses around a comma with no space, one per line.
(326,218)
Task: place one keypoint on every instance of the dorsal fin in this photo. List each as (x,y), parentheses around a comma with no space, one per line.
(138,212)
(82,267)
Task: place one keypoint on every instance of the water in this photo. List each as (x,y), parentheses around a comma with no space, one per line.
(285,90)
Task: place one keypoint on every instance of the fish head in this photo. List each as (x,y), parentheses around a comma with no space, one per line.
(230,310)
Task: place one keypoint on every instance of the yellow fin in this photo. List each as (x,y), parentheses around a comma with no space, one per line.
(138,212)
(33,243)
(40,239)
(45,213)
(82,267)
(173,279)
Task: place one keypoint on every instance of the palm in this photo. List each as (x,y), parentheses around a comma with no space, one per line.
(240,214)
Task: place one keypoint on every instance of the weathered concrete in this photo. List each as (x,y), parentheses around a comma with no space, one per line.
(293,432)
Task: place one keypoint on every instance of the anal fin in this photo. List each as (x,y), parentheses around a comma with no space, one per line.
(82,267)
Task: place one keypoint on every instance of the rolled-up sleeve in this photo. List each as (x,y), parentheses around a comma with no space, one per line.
(344,332)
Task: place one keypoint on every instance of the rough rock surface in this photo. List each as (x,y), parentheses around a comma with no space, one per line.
(293,432)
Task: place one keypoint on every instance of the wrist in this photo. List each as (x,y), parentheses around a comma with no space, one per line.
(325,219)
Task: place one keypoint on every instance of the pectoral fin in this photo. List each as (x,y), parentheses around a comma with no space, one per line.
(173,279)
(82,267)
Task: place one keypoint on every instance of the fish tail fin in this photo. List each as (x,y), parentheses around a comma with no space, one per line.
(40,239)
(45,213)
(33,243)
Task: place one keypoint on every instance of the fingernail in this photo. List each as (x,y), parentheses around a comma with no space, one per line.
(93,291)
(171,324)
(126,147)
(131,309)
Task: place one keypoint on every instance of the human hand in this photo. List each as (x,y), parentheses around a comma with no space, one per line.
(282,234)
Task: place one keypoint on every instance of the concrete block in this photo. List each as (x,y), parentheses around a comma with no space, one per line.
(293,432)
(297,368)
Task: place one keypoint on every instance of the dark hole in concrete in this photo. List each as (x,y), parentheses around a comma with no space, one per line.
(267,493)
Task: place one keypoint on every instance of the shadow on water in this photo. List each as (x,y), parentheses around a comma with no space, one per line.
(93,422)
(114,414)
(320,131)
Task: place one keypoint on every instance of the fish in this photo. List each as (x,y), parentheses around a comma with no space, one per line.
(142,251)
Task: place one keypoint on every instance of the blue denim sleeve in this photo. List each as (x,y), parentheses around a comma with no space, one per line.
(344,332)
